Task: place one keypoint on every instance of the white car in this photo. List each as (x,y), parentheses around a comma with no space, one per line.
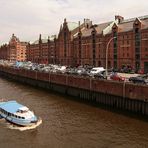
(96,70)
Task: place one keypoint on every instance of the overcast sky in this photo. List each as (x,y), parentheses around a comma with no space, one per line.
(28,18)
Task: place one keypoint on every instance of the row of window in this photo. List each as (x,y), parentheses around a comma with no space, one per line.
(10,114)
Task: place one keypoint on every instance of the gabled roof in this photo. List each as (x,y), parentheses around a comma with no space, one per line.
(72,25)
(36,42)
(103,27)
(43,41)
(127,25)
(144,24)
(106,27)
(86,32)
(52,37)
(133,19)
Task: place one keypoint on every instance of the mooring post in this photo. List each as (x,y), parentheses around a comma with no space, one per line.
(123,95)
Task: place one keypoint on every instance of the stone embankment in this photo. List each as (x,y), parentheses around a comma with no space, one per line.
(121,95)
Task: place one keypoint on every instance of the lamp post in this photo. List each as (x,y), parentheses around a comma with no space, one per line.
(107,54)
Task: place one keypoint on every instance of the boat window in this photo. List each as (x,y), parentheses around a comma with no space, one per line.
(22,111)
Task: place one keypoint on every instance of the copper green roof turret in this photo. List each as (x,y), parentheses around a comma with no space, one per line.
(72,25)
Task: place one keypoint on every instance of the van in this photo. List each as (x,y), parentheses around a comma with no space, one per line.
(96,70)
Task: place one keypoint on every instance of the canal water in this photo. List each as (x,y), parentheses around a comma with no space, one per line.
(67,123)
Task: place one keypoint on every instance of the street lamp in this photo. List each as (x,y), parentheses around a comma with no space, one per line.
(107,54)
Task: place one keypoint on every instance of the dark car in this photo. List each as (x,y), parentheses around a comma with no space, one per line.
(138,79)
(99,76)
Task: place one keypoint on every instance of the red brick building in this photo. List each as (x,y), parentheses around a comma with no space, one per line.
(42,50)
(66,52)
(4,52)
(131,43)
(85,43)
(58,50)
(127,40)
(14,51)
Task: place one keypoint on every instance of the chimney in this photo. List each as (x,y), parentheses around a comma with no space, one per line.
(84,21)
(40,37)
(119,18)
(48,39)
(91,23)
(65,20)
(79,23)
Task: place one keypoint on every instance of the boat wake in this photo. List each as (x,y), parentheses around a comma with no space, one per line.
(21,128)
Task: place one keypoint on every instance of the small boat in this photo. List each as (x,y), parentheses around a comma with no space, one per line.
(17,113)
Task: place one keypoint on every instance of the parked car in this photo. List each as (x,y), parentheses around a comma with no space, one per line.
(85,73)
(138,79)
(145,76)
(116,77)
(99,76)
(80,71)
(96,70)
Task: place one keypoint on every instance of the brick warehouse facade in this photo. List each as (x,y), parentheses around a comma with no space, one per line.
(14,51)
(86,43)
(42,50)
(128,48)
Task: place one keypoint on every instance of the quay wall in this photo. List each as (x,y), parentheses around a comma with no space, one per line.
(121,95)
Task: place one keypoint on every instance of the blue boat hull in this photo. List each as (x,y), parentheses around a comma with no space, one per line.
(22,123)
(19,122)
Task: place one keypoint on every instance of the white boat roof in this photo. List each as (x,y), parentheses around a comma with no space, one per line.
(24,108)
(12,106)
